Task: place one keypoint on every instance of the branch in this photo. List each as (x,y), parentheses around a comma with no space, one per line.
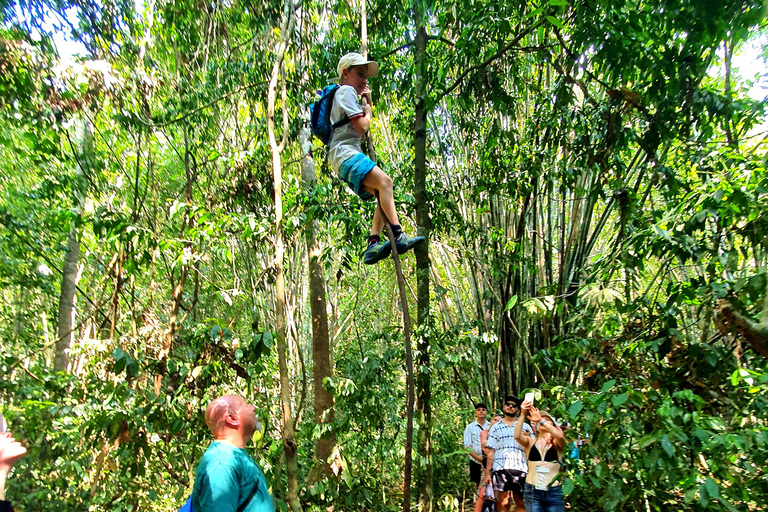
(392,52)
(491,59)
(55,267)
(441,39)
(756,334)
(576,57)
(152,124)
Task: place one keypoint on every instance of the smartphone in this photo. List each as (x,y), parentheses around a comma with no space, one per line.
(529,397)
(2,423)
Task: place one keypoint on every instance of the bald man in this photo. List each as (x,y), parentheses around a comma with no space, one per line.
(227,479)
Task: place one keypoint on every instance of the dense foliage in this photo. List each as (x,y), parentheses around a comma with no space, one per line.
(596,177)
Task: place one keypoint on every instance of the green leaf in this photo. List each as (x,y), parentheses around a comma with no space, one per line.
(568,486)
(536,13)
(556,22)
(575,408)
(667,445)
(620,399)
(511,303)
(712,488)
(215,330)
(558,3)
(267,339)
(608,385)
(119,366)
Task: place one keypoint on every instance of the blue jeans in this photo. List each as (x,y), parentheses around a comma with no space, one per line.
(550,500)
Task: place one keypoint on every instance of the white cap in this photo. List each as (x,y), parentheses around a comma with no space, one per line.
(355,59)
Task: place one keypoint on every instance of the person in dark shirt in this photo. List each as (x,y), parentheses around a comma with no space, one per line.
(227,479)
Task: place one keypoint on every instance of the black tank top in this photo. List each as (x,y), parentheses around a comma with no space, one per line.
(550,456)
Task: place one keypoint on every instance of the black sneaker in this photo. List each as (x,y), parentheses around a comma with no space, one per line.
(377,252)
(405,243)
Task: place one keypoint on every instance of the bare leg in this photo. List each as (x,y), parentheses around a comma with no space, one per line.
(502,498)
(378,181)
(378,222)
(479,504)
(519,502)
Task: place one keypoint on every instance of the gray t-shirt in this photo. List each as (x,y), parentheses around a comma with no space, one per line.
(345,142)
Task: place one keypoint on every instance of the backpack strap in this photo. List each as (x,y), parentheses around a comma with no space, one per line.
(337,124)
(341,122)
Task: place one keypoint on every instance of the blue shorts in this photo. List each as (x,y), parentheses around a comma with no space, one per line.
(353,170)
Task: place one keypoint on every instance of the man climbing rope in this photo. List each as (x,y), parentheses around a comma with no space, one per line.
(345,154)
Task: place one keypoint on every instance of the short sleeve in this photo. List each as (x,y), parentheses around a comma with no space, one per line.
(346,97)
(492,439)
(467,437)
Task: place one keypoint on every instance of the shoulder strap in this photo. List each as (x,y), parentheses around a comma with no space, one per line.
(341,122)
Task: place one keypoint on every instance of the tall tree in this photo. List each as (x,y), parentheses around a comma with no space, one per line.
(290,446)
(423,317)
(321,348)
(65,331)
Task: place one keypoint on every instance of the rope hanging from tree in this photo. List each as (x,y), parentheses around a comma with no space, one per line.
(408,466)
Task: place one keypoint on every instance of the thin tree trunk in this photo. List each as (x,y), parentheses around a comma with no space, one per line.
(423,381)
(178,284)
(64,334)
(290,447)
(321,360)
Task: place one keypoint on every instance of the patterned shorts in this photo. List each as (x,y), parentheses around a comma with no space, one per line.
(505,480)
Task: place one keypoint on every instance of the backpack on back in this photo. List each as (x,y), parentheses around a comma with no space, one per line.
(320,111)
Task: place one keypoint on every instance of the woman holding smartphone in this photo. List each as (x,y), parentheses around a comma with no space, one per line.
(544,455)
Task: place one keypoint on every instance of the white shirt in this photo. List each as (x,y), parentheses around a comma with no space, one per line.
(472,437)
(509,453)
(345,142)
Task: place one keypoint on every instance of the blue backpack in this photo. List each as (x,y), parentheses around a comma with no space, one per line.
(320,123)
(187,506)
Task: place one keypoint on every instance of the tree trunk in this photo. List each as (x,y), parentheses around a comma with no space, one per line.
(177,285)
(321,358)
(65,327)
(290,448)
(423,383)
(64,336)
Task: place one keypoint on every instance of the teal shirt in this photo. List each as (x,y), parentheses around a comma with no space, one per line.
(228,480)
